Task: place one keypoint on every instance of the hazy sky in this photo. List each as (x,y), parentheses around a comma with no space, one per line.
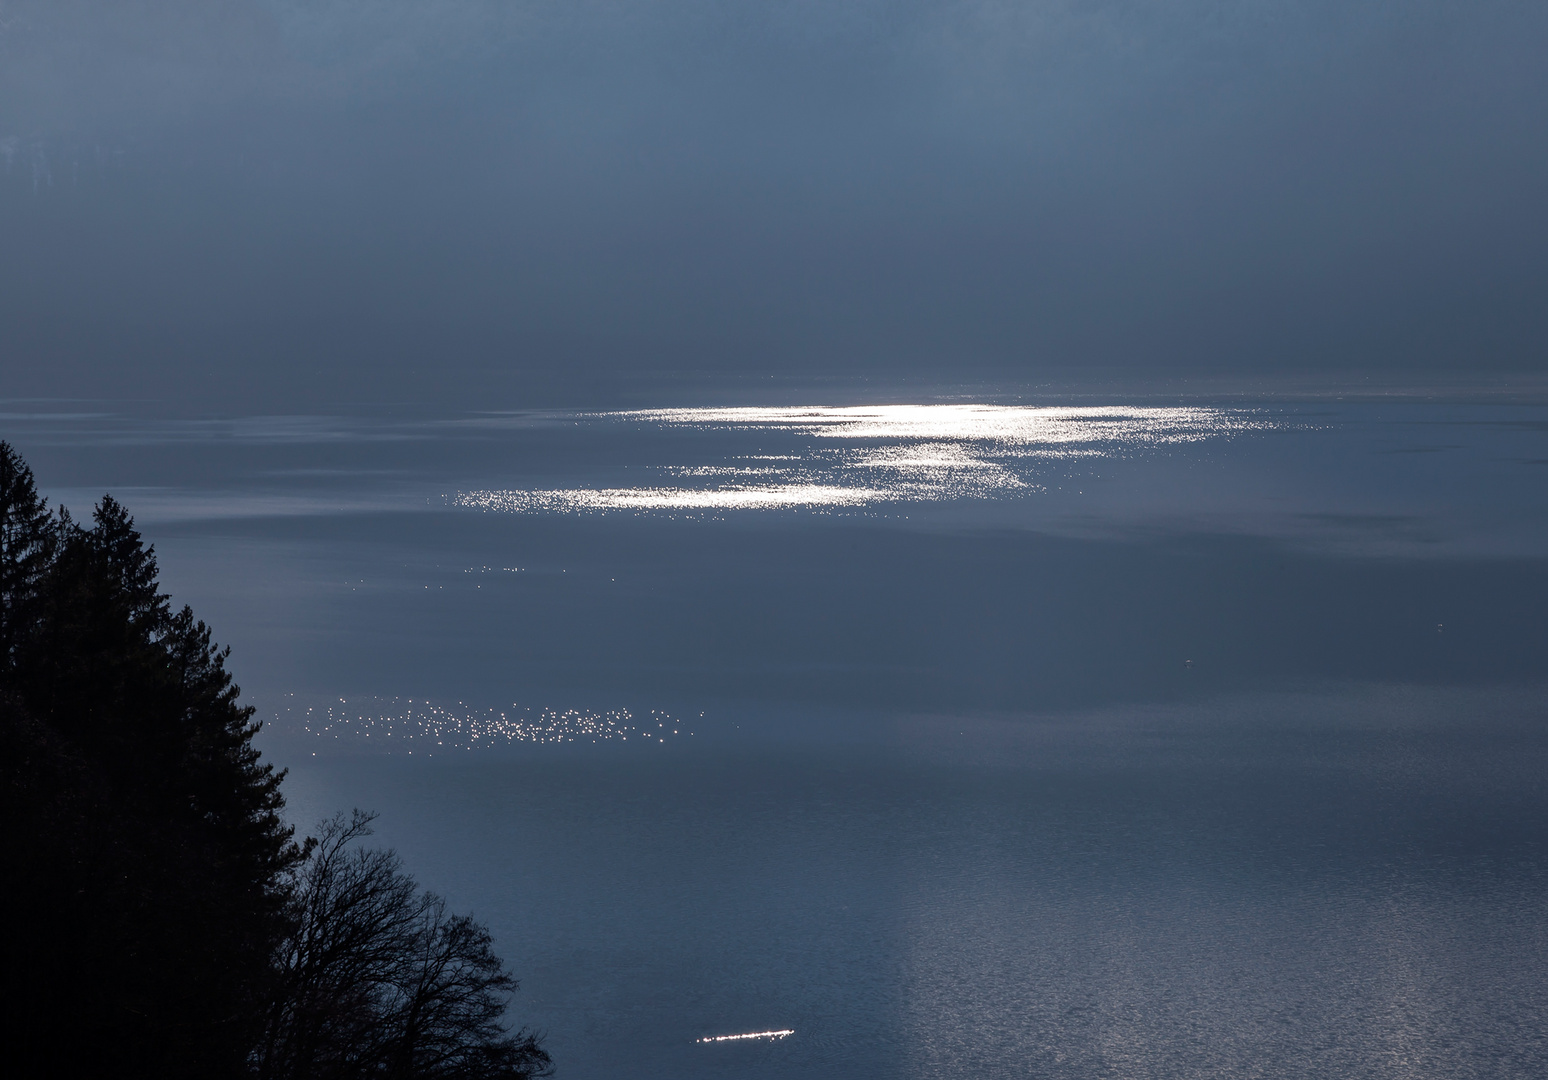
(282,201)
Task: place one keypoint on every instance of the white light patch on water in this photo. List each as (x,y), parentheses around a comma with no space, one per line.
(1017,425)
(936,471)
(895,454)
(771,1035)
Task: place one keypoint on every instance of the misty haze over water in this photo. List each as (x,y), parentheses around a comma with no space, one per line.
(247,204)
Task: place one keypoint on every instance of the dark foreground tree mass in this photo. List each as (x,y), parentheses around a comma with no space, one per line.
(159,917)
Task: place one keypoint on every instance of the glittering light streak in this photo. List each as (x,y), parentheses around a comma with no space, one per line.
(734,498)
(749,1035)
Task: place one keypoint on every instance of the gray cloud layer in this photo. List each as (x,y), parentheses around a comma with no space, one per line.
(276,196)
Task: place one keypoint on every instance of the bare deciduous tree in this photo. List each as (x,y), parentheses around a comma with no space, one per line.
(379,981)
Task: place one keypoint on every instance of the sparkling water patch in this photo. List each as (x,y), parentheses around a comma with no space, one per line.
(1017,425)
(867,456)
(413,725)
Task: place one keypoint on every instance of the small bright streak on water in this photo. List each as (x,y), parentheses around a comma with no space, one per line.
(750,1035)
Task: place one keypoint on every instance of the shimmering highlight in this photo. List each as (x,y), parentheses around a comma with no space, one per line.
(1011,424)
(409,725)
(894,454)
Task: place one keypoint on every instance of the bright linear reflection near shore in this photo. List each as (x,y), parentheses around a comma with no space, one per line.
(859,456)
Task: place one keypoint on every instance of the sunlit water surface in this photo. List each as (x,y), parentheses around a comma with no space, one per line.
(945,739)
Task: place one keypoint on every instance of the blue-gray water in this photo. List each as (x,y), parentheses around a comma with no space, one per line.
(1127,740)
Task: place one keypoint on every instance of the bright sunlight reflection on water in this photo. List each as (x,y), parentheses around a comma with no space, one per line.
(894,453)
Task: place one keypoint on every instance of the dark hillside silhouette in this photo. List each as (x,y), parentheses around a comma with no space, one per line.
(154,893)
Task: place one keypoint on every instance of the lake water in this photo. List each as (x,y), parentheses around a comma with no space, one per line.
(971,736)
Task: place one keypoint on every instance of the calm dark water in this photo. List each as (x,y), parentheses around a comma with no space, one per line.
(1309,886)
(1132,741)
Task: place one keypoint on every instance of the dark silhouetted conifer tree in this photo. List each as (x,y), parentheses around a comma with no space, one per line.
(158,918)
(148,862)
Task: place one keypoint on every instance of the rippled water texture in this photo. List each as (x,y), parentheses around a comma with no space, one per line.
(960,738)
